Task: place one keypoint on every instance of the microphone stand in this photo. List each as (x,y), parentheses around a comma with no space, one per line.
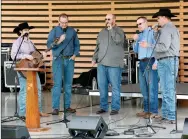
(65,120)
(149,123)
(174,131)
(16,115)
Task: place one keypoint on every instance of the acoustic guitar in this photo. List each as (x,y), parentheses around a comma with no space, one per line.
(37,61)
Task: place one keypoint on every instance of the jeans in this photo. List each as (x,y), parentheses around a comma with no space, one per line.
(149,84)
(166,69)
(22,94)
(106,75)
(59,67)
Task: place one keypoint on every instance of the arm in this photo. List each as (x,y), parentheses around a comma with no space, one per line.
(117,35)
(14,51)
(95,55)
(51,39)
(135,46)
(164,42)
(76,45)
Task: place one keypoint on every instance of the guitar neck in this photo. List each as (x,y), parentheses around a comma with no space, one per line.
(52,45)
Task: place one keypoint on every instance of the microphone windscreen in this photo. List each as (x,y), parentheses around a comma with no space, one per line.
(137,32)
(64,30)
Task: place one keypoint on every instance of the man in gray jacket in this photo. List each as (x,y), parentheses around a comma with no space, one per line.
(109,54)
(167,52)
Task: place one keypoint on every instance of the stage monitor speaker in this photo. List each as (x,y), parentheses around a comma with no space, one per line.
(88,127)
(185,129)
(14,132)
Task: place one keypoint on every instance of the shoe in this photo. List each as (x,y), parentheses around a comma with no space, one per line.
(142,114)
(70,110)
(44,114)
(23,118)
(170,121)
(114,112)
(55,112)
(101,111)
(150,115)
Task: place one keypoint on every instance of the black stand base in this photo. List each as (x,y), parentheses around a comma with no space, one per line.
(12,118)
(148,126)
(59,121)
(174,131)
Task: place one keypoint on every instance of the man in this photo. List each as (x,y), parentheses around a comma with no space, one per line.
(148,78)
(109,54)
(64,53)
(167,52)
(26,48)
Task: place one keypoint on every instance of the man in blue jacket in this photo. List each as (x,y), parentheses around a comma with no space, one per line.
(64,52)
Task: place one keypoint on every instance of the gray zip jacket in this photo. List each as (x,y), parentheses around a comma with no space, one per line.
(168,43)
(110,47)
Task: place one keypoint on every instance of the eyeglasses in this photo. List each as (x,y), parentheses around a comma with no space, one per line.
(63,22)
(107,19)
(139,24)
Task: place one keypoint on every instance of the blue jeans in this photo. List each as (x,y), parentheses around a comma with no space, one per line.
(166,69)
(58,67)
(106,75)
(22,94)
(149,81)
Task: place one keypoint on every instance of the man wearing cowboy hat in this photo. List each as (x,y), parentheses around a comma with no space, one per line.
(26,47)
(167,52)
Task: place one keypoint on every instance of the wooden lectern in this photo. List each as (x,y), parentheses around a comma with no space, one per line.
(32,108)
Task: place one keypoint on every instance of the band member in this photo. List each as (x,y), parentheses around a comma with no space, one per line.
(167,52)
(109,55)
(64,54)
(26,48)
(148,77)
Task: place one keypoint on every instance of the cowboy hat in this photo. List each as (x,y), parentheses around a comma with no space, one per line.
(22,26)
(164,12)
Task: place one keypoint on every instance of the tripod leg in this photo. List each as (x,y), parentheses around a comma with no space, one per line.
(159,127)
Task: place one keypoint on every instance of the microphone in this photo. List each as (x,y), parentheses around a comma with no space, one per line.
(26,34)
(77,30)
(64,30)
(155,26)
(137,32)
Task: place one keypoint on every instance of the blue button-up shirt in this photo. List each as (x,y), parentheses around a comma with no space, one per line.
(70,46)
(148,36)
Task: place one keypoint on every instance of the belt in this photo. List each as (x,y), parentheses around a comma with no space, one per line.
(166,57)
(66,57)
(145,59)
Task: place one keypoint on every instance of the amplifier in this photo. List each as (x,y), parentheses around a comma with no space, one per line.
(5,55)
(10,74)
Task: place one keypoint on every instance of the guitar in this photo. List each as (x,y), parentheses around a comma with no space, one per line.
(37,61)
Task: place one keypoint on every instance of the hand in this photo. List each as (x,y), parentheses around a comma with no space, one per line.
(109,26)
(154,66)
(44,54)
(93,63)
(29,57)
(144,44)
(135,37)
(72,57)
(61,39)
(155,27)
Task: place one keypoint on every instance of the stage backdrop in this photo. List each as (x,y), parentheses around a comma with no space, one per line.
(88,17)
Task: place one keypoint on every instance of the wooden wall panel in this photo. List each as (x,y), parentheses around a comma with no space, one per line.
(88,16)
